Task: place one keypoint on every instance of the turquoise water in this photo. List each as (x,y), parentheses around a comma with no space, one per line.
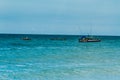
(45,59)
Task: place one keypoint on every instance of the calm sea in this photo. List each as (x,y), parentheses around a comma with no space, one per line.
(44,59)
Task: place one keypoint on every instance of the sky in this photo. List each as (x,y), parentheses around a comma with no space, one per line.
(76,17)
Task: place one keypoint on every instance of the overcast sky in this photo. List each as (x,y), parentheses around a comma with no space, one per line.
(99,17)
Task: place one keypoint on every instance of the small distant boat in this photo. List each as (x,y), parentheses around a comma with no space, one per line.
(61,39)
(89,39)
(26,38)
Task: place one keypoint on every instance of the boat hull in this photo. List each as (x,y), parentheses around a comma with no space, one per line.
(89,40)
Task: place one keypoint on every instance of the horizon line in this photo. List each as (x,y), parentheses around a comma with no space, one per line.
(52,34)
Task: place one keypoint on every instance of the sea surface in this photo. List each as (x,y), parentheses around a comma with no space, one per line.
(45,57)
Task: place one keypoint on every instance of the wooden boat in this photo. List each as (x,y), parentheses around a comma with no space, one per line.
(61,39)
(89,39)
(26,38)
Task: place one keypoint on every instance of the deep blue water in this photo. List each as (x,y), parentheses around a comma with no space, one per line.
(45,59)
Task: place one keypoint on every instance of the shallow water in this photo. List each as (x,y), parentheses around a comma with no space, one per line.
(45,59)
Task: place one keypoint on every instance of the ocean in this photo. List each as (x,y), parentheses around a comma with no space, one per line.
(43,58)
